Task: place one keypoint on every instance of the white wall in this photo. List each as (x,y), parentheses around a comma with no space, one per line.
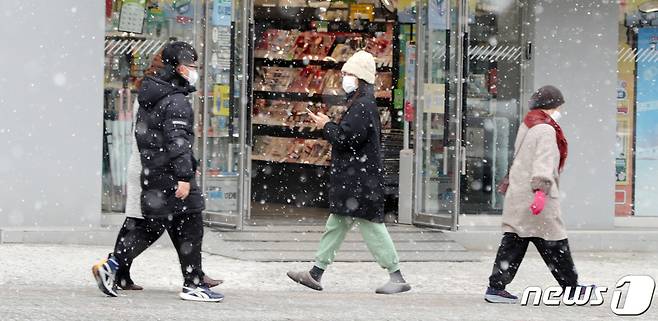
(51,67)
(575,50)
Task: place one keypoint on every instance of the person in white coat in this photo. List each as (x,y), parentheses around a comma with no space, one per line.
(531,213)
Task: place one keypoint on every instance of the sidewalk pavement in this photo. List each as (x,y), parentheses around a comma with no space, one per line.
(50,282)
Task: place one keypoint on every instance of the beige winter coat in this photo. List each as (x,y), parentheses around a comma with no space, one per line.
(535,167)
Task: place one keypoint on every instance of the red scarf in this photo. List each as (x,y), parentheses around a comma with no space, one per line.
(538,117)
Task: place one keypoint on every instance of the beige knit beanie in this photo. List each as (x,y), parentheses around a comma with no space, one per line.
(362,65)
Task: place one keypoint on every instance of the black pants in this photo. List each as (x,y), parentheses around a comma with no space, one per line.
(129,224)
(556,255)
(185,231)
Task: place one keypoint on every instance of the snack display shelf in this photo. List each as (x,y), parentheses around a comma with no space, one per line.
(286,13)
(327,64)
(329,99)
(298,54)
(306,132)
(260,158)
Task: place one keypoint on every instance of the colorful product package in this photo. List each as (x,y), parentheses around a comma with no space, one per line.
(276,44)
(312,45)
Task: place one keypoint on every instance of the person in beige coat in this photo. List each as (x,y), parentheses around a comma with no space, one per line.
(531,212)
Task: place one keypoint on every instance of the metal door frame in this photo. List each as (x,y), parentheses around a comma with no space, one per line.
(245,15)
(462,59)
(442,220)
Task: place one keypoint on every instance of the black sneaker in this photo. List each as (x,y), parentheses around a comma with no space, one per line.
(500,296)
(200,294)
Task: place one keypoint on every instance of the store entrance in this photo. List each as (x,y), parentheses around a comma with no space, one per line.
(297,53)
(496,51)
(470,85)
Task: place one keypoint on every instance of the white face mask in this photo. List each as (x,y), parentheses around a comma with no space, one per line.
(192,76)
(556,115)
(350,84)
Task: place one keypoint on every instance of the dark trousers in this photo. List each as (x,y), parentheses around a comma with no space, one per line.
(556,255)
(185,231)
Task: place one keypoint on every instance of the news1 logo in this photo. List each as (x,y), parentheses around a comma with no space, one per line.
(632,296)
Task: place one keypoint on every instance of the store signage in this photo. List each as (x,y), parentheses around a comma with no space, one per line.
(223,195)
(221,97)
(131,18)
(222,13)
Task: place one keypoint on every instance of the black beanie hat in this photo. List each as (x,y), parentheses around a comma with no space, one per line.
(179,52)
(547,97)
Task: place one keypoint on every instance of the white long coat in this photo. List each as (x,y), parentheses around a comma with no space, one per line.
(535,167)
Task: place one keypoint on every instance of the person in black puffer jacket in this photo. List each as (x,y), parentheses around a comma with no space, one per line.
(356,194)
(171,200)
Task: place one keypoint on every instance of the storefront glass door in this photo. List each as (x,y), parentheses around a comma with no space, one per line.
(225,171)
(495,54)
(437,134)
(469,84)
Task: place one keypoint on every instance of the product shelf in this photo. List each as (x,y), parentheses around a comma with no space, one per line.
(326,64)
(306,132)
(260,158)
(317,98)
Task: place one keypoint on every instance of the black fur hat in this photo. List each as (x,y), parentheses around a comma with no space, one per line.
(547,97)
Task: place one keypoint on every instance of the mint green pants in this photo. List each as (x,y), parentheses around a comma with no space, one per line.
(376,236)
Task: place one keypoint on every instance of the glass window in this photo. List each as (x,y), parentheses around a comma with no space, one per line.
(135,31)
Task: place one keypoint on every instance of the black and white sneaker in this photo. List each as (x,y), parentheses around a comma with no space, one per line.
(105,273)
(201,294)
(500,296)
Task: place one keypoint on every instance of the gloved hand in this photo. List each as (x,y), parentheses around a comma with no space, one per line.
(538,204)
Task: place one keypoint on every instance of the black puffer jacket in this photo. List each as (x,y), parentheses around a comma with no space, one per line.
(356,177)
(164,133)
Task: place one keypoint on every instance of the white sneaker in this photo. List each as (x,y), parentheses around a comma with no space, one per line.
(200,294)
(104,273)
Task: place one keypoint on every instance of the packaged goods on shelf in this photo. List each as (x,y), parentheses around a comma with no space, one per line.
(345,47)
(311,45)
(291,114)
(292,150)
(381,47)
(318,152)
(276,44)
(342,52)
(316,86)
(308,80)
(275,79)
(333,83)
(384,85)
(385,118)
(275,113)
